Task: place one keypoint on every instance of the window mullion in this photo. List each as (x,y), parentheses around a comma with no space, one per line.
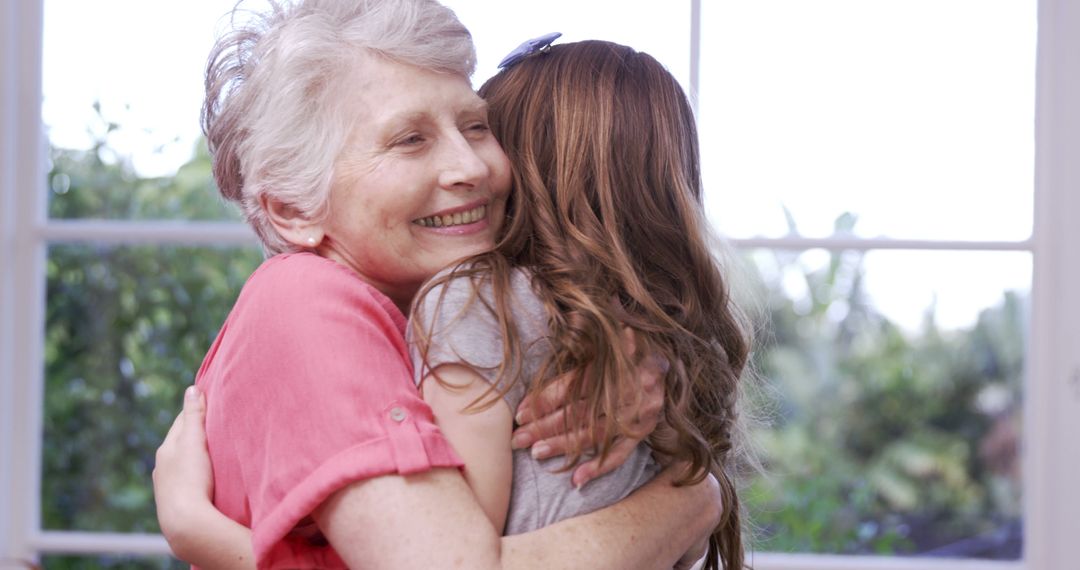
(695,53)
(1053,406)
(23,281)
(8,142)
(63,542)
(158,232)
(867,244)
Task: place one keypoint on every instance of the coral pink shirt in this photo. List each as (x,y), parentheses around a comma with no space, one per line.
(309,388)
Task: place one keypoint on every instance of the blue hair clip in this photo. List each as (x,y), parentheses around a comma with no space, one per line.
(535,45)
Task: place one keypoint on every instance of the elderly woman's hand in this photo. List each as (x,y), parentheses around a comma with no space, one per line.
(183,479)
(542,419)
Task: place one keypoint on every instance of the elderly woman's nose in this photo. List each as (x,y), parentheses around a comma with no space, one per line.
(462,164)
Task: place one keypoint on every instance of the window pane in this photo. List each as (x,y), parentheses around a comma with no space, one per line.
(126,330)
(916,115)
(894,427)
(129,107)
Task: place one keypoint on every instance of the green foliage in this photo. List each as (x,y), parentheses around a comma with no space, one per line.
(97,183)
(881,440)
(126,328)
(111,563)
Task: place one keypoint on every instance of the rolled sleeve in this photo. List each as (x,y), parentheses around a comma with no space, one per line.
(309,391)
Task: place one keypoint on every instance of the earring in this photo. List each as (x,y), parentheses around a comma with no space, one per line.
(311,241)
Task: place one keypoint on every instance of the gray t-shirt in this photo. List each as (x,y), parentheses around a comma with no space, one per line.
(465,331)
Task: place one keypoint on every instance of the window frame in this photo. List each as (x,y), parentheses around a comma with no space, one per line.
(1051,463)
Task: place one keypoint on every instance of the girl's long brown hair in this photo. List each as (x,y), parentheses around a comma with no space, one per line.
(607,214)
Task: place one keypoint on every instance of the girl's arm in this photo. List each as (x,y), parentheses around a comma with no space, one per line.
(481,438)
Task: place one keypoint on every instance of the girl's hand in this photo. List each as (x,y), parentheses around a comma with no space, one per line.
(197,532)
(183,479)
(541,419)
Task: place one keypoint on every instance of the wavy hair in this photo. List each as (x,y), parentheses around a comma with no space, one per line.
(607,214)
(276,92)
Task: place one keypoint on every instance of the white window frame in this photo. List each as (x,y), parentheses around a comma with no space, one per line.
(1051,459)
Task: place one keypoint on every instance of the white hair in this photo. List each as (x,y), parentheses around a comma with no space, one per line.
(274,93)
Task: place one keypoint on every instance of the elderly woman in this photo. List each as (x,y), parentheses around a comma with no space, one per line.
(350,136)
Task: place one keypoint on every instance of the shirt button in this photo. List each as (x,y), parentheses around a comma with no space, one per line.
(397,414)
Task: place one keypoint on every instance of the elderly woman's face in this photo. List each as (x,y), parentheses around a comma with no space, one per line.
(421,183)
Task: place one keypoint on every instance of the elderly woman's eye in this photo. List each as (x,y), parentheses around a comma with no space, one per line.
(478,128)
(410,140)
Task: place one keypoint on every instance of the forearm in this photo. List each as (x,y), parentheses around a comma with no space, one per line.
(213,541)
(652,528)
(432,520)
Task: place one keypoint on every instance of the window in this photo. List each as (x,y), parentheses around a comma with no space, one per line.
(118,264)
(891,162)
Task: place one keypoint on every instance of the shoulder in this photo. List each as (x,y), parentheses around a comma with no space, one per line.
(295,274)
(523,293)
(458,286)
(313,279)
(450,293)
(302,288)
(460,311)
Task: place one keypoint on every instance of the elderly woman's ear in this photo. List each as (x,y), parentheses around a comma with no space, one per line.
(291,224)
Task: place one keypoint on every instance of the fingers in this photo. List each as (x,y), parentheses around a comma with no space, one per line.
(544,403)
(641,408)
(580,440)
(655,361)
(629,340)
(548,428)
(637,420)
(174,430)
(187,425)
(542,417)
(167,445)
(650,375)
(194,403)
(194,414)
(618,454)
(639,415)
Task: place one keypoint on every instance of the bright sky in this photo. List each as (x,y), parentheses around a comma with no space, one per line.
(917,114)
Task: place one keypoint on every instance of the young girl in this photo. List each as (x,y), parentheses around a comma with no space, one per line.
(605,234)
(605,230)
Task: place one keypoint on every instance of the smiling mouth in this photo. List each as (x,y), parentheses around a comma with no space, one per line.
(456,219)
